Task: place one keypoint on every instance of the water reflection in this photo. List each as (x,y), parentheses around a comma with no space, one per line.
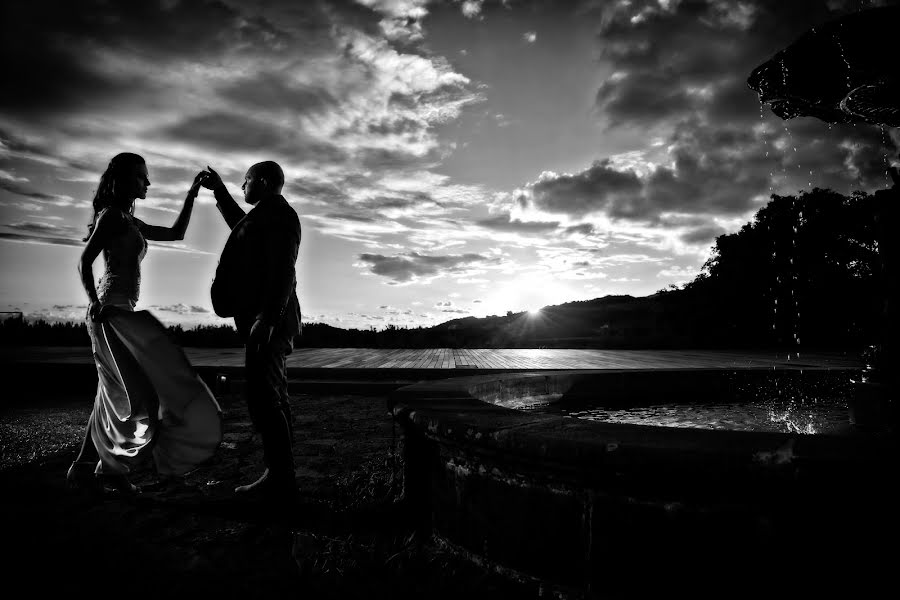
(820,417)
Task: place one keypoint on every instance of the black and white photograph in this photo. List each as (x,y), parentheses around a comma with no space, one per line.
(452,299)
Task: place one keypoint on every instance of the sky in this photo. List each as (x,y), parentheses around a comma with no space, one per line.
(446,159)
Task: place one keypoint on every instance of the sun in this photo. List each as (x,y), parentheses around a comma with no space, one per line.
(529,293)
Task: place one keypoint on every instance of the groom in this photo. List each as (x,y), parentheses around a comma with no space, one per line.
(256,283)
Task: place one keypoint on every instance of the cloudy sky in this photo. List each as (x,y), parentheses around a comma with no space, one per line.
(446,158)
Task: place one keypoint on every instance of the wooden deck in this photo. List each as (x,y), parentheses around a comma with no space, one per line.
(530,359)
(343,359)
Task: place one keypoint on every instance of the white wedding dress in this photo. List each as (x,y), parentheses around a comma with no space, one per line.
(149,398)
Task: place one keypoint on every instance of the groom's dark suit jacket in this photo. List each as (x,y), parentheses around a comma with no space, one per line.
(256,276)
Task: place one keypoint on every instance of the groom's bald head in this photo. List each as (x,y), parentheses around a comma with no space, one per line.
(271,172)
(263,180)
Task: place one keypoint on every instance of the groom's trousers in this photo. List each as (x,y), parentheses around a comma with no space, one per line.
(268,402)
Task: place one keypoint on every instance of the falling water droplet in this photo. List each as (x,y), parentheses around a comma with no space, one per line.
(886,143)
(843,54)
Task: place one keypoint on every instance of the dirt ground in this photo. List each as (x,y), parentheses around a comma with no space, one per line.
(348,537)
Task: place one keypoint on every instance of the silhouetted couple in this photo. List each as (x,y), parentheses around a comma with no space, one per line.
(149,398)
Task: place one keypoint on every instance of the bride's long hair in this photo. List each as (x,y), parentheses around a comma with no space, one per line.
(120,167)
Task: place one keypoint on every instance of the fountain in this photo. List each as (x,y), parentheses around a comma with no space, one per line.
(582,508)
(578,508)
(843,72)
(839,72)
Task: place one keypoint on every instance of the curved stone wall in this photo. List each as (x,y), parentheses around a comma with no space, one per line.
(587,505)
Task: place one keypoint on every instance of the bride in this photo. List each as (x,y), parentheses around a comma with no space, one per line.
(149,398)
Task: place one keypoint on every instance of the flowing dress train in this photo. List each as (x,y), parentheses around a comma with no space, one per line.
(148,396)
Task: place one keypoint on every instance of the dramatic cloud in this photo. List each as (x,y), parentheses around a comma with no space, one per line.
(406,268)
(40,232)
(703,235)
(182,309)
(316,192)
(350,217)
(267,89)
(506,223)
(581,229)
(680,273)
(229,131)
(39,227)
(5,176)
(20,190)
(448,307)
(40,239)
(401,19)
(595,189)
(180,247)
(14,146)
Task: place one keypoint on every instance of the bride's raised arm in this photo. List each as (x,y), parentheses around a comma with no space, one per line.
(176,231)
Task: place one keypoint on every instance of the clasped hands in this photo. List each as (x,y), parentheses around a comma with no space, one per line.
(207,178)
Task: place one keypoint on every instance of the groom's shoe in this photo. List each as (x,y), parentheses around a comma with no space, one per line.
(268,486)
(255,486)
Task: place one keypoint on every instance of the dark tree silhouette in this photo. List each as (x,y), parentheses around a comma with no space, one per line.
(803,273)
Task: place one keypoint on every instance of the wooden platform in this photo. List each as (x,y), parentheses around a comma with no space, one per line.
(320,360)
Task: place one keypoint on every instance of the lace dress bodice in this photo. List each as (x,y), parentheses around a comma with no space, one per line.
(121,280)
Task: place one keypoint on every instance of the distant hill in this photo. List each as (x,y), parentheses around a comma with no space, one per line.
(659,320)
(611,322)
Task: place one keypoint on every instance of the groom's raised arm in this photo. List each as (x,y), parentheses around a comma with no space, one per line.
(227,206)
(224,202)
